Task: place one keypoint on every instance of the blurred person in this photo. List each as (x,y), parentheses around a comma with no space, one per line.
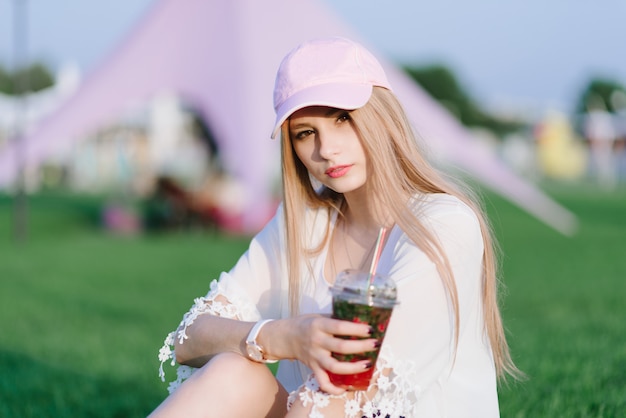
(600,132)
(561,155)
(226,198)
(350,165)
(618,100)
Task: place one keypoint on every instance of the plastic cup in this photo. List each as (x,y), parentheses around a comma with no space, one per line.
(356,298)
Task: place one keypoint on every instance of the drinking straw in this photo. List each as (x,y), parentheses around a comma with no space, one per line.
(378,249)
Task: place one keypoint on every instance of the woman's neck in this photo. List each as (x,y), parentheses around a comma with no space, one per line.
(364,214)
(355,235)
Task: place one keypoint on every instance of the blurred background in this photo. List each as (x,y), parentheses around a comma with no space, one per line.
(135,164)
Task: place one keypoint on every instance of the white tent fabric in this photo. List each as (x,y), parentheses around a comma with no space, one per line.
(221,56)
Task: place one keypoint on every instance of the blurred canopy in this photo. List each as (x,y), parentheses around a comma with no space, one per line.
(32,78)
(222,58)
(440,82)
(599,95)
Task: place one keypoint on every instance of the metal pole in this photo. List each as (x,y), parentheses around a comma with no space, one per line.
(21,87)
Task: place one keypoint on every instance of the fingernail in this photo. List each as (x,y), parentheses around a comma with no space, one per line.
(377,344)
(370,331)
(368,365)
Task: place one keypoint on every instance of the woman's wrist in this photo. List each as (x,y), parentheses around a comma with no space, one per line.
(273,339)
(254,350)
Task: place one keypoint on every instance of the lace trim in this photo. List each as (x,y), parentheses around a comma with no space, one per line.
(236,308)
(395,395)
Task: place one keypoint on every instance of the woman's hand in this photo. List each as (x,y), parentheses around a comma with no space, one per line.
(312,338)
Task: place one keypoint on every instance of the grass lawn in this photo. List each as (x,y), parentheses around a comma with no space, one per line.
(83,313)
(565,308)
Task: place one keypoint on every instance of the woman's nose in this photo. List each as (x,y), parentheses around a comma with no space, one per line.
(327,146)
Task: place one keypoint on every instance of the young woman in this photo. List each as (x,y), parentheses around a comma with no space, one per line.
(351,165)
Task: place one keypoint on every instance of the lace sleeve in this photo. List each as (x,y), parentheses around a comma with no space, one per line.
(220,301)
(249,291)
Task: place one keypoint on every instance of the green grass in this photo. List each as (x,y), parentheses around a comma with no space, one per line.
(565,308)
(83,312)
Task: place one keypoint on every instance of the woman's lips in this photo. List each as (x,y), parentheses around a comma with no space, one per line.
(337,171)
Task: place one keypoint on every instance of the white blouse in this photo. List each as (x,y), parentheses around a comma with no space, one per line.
(428,378)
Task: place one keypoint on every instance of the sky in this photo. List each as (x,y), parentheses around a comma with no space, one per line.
(535,54)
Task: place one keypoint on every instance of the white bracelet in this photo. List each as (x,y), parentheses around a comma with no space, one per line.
(254,350)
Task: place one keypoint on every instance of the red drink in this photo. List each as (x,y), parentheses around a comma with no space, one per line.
(354,301)
(359,381)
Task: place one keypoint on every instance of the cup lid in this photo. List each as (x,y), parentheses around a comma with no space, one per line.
(358,284)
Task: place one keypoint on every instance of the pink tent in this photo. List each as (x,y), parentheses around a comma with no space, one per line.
(221,56)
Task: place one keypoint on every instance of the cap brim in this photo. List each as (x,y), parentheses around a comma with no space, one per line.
(340,95)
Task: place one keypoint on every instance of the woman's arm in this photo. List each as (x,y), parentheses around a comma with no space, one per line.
(312,339)
(255,289)
(209,335)
(308,338)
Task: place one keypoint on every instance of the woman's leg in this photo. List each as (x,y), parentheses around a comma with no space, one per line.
(227,386)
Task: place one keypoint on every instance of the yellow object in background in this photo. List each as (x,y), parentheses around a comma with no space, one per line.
(561,154)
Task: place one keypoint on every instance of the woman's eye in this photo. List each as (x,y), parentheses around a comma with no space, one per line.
(303,134)
(345,116)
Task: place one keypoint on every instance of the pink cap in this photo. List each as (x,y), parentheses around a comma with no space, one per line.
(334,72)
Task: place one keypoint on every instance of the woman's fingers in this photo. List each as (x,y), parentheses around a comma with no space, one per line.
(330,335)
(315,332)
(325,385)
(344,367)
(346,337)
(338,367)
(351,346)
(325,336)
(320,336)
(346,328)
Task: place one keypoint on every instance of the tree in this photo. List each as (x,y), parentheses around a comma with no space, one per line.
(5,81)
(443,86)
(598,95)
(33,78)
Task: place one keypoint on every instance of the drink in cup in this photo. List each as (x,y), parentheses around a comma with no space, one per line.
(359,296)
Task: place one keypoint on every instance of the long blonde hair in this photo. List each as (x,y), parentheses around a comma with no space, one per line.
(399,171)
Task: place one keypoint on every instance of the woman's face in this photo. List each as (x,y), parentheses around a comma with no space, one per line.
(325,141)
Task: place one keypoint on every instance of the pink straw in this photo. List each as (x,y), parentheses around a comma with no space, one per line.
(377,252)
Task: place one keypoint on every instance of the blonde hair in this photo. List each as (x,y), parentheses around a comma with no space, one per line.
(399,172)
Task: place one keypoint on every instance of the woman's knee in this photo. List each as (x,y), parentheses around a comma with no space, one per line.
(235,368)
(242,384)
(209,391)
(228,371)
